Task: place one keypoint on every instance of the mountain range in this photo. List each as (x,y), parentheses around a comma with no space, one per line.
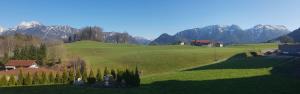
(291,37)
(60,32)
(227,34)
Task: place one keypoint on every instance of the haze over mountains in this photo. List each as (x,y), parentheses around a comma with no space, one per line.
(225,33)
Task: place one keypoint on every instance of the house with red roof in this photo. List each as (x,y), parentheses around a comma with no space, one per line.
(206,43)
(14,64)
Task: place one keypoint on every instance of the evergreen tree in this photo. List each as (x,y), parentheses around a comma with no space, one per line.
(20,78)
(126,77)
(106,71)
(5,58)
(137,77)
(113,73)
(3,81)
(36,78)
(84,76)
(12,80)
(28,79)
(71,76)
(99,75)
(51,78)
(78,74)
(44,79)
(120,76)
(91,78)
(57,78)
(42,54)
(64,77)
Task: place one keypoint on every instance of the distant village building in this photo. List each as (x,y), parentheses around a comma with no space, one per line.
(289,49)
(181,43)
(206,43)
(202,43)
(14,64)
(218,44)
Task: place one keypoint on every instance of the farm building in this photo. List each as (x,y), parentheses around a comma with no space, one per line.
(206,43)
(289,49)
(181,43)
(14,64)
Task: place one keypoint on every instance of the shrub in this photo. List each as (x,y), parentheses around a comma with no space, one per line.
(91,79)
(71,76)
(36,78)
(57,78)
(113,74)
(3,81)
(20,78)
(255,54)
(12,80)
(99,75)
(106,71)
(64,77)
(28,79)
(51,78)
(44,79)
(84,76)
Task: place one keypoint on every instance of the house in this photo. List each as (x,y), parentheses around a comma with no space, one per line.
(181,43)
(218,44)
(206,43)
(202,43)
(289,49)
(14,64)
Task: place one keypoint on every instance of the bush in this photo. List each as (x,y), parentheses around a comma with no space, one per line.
(3,81)
(91,79)
(28,79)
(255,54)
(12,80)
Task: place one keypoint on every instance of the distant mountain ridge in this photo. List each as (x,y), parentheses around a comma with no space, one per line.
(291,37)
(39,30)
(225,33)
(53,32)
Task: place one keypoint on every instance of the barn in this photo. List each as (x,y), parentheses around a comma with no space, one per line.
(14,64)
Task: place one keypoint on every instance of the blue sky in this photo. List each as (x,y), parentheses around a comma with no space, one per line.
(150,18)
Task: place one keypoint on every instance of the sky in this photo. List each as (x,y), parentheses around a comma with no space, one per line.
(150,18)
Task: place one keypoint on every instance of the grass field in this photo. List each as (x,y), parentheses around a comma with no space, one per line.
(181,70)
(153,59)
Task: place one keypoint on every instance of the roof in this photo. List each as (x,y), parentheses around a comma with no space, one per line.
(20,63)
(201,41)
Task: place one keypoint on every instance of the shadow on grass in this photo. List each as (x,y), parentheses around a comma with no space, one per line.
(289,69)
(267,84)
(253,85)
(241,61)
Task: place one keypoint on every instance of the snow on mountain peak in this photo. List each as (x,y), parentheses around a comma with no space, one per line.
(271,27)
(29,24)
(1,29)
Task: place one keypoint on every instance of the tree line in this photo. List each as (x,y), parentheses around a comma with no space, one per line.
(96,34)
(31,53)
(120,78)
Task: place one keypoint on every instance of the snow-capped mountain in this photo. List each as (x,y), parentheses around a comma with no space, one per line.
(226,33)
(264,33)
(26,25)
(45,32)
(1,29)
(59,32)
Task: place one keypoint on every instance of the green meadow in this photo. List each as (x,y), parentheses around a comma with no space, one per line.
(182,70)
